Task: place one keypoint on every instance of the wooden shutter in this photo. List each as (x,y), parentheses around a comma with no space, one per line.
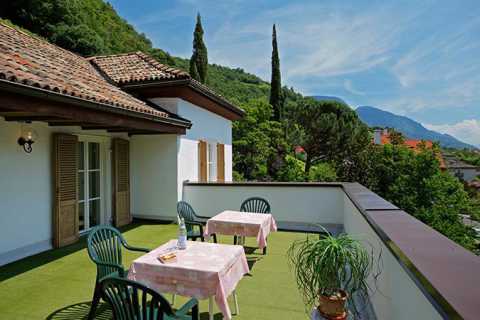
(121,182)
(202,161)
(65,168)
(220,162)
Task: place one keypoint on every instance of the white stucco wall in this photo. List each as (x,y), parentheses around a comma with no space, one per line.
(396,296)
(153,174)
(26,198)
(301,204)
(206,126)
(25,193)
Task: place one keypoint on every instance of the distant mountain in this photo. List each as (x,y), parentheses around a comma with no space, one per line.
(375,117)
(328,98)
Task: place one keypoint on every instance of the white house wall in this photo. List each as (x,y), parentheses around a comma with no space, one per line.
(153,176)
(26,195)
(206,126)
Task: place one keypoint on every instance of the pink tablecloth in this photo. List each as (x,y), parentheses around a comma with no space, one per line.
(245,224)
(201,271)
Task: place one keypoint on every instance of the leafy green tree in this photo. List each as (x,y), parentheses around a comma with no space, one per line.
(276,83)
(251,140)
(327,131)
(415,183)
(293,170)
(199,59)
(396,137)
(323,172)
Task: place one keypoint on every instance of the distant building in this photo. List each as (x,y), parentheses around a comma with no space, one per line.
(460,169)
(382,137)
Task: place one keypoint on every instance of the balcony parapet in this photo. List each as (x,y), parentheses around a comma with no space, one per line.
(447,275)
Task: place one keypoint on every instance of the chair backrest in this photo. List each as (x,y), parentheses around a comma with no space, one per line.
(104,244)
(255,204)
(185,211)
(131,300)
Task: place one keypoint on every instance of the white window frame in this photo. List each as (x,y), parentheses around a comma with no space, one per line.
(212,161)
(103,178)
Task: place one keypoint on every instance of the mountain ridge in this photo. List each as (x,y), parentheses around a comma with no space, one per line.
(376,117)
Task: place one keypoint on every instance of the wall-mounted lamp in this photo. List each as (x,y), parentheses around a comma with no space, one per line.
(27,137)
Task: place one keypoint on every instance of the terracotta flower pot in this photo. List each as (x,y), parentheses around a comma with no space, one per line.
(333,307)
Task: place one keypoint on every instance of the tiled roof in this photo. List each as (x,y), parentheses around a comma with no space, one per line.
(36,63)
(415,146)
(139,68)
(136,67)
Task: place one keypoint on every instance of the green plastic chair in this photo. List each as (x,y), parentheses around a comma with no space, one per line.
(132,300)
(256,205)
(104,245)
(193,222)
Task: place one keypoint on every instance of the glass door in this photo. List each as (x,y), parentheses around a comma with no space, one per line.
(89,178)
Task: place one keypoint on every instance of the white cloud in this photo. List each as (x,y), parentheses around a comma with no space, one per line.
(348,85)
(466,130)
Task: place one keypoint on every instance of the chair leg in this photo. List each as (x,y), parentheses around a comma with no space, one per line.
(95,301)
(195,315)
(234,239)
(215,237)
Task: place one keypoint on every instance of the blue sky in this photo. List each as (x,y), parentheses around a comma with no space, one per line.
(417,58)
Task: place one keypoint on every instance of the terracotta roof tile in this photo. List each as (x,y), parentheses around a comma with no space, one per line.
(35,62)
(136,67)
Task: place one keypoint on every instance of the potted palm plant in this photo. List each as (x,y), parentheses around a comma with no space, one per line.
(330,269)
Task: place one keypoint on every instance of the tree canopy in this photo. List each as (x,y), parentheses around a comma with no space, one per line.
(276,82)
(327,131)
(199,59)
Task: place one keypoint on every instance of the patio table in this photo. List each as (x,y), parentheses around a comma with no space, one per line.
(203,270)
(244,224)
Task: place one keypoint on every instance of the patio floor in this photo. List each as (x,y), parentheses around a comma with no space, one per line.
(58,284)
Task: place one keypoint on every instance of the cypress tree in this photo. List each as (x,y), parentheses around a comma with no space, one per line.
(199,59)
(276,83)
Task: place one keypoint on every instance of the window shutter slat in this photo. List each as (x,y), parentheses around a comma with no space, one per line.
(121,182)
(202,161)
(65,168)
(220,162)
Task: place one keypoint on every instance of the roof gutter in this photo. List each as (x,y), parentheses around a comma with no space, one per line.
(194,85)
(30,91)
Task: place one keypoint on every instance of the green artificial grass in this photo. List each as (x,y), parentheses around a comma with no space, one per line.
(58,284)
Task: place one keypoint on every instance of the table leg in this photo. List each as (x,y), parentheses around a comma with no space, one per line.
(210,308)
(173,299)
(237,310)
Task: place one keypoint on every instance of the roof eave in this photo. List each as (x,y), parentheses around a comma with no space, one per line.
(192,84)
(23,89)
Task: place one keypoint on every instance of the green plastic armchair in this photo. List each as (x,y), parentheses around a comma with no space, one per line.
(132,300)
(193,222)
(256,205)
(104,245)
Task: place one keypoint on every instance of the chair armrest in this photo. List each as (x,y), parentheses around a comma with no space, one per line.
(202,217)
(196,223)
(186,307)
(121,271)
(136,248)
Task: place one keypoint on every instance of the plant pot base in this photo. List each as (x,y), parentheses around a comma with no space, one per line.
(339,317)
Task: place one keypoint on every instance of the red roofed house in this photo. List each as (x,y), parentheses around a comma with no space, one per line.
(98,140)
(383,137)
